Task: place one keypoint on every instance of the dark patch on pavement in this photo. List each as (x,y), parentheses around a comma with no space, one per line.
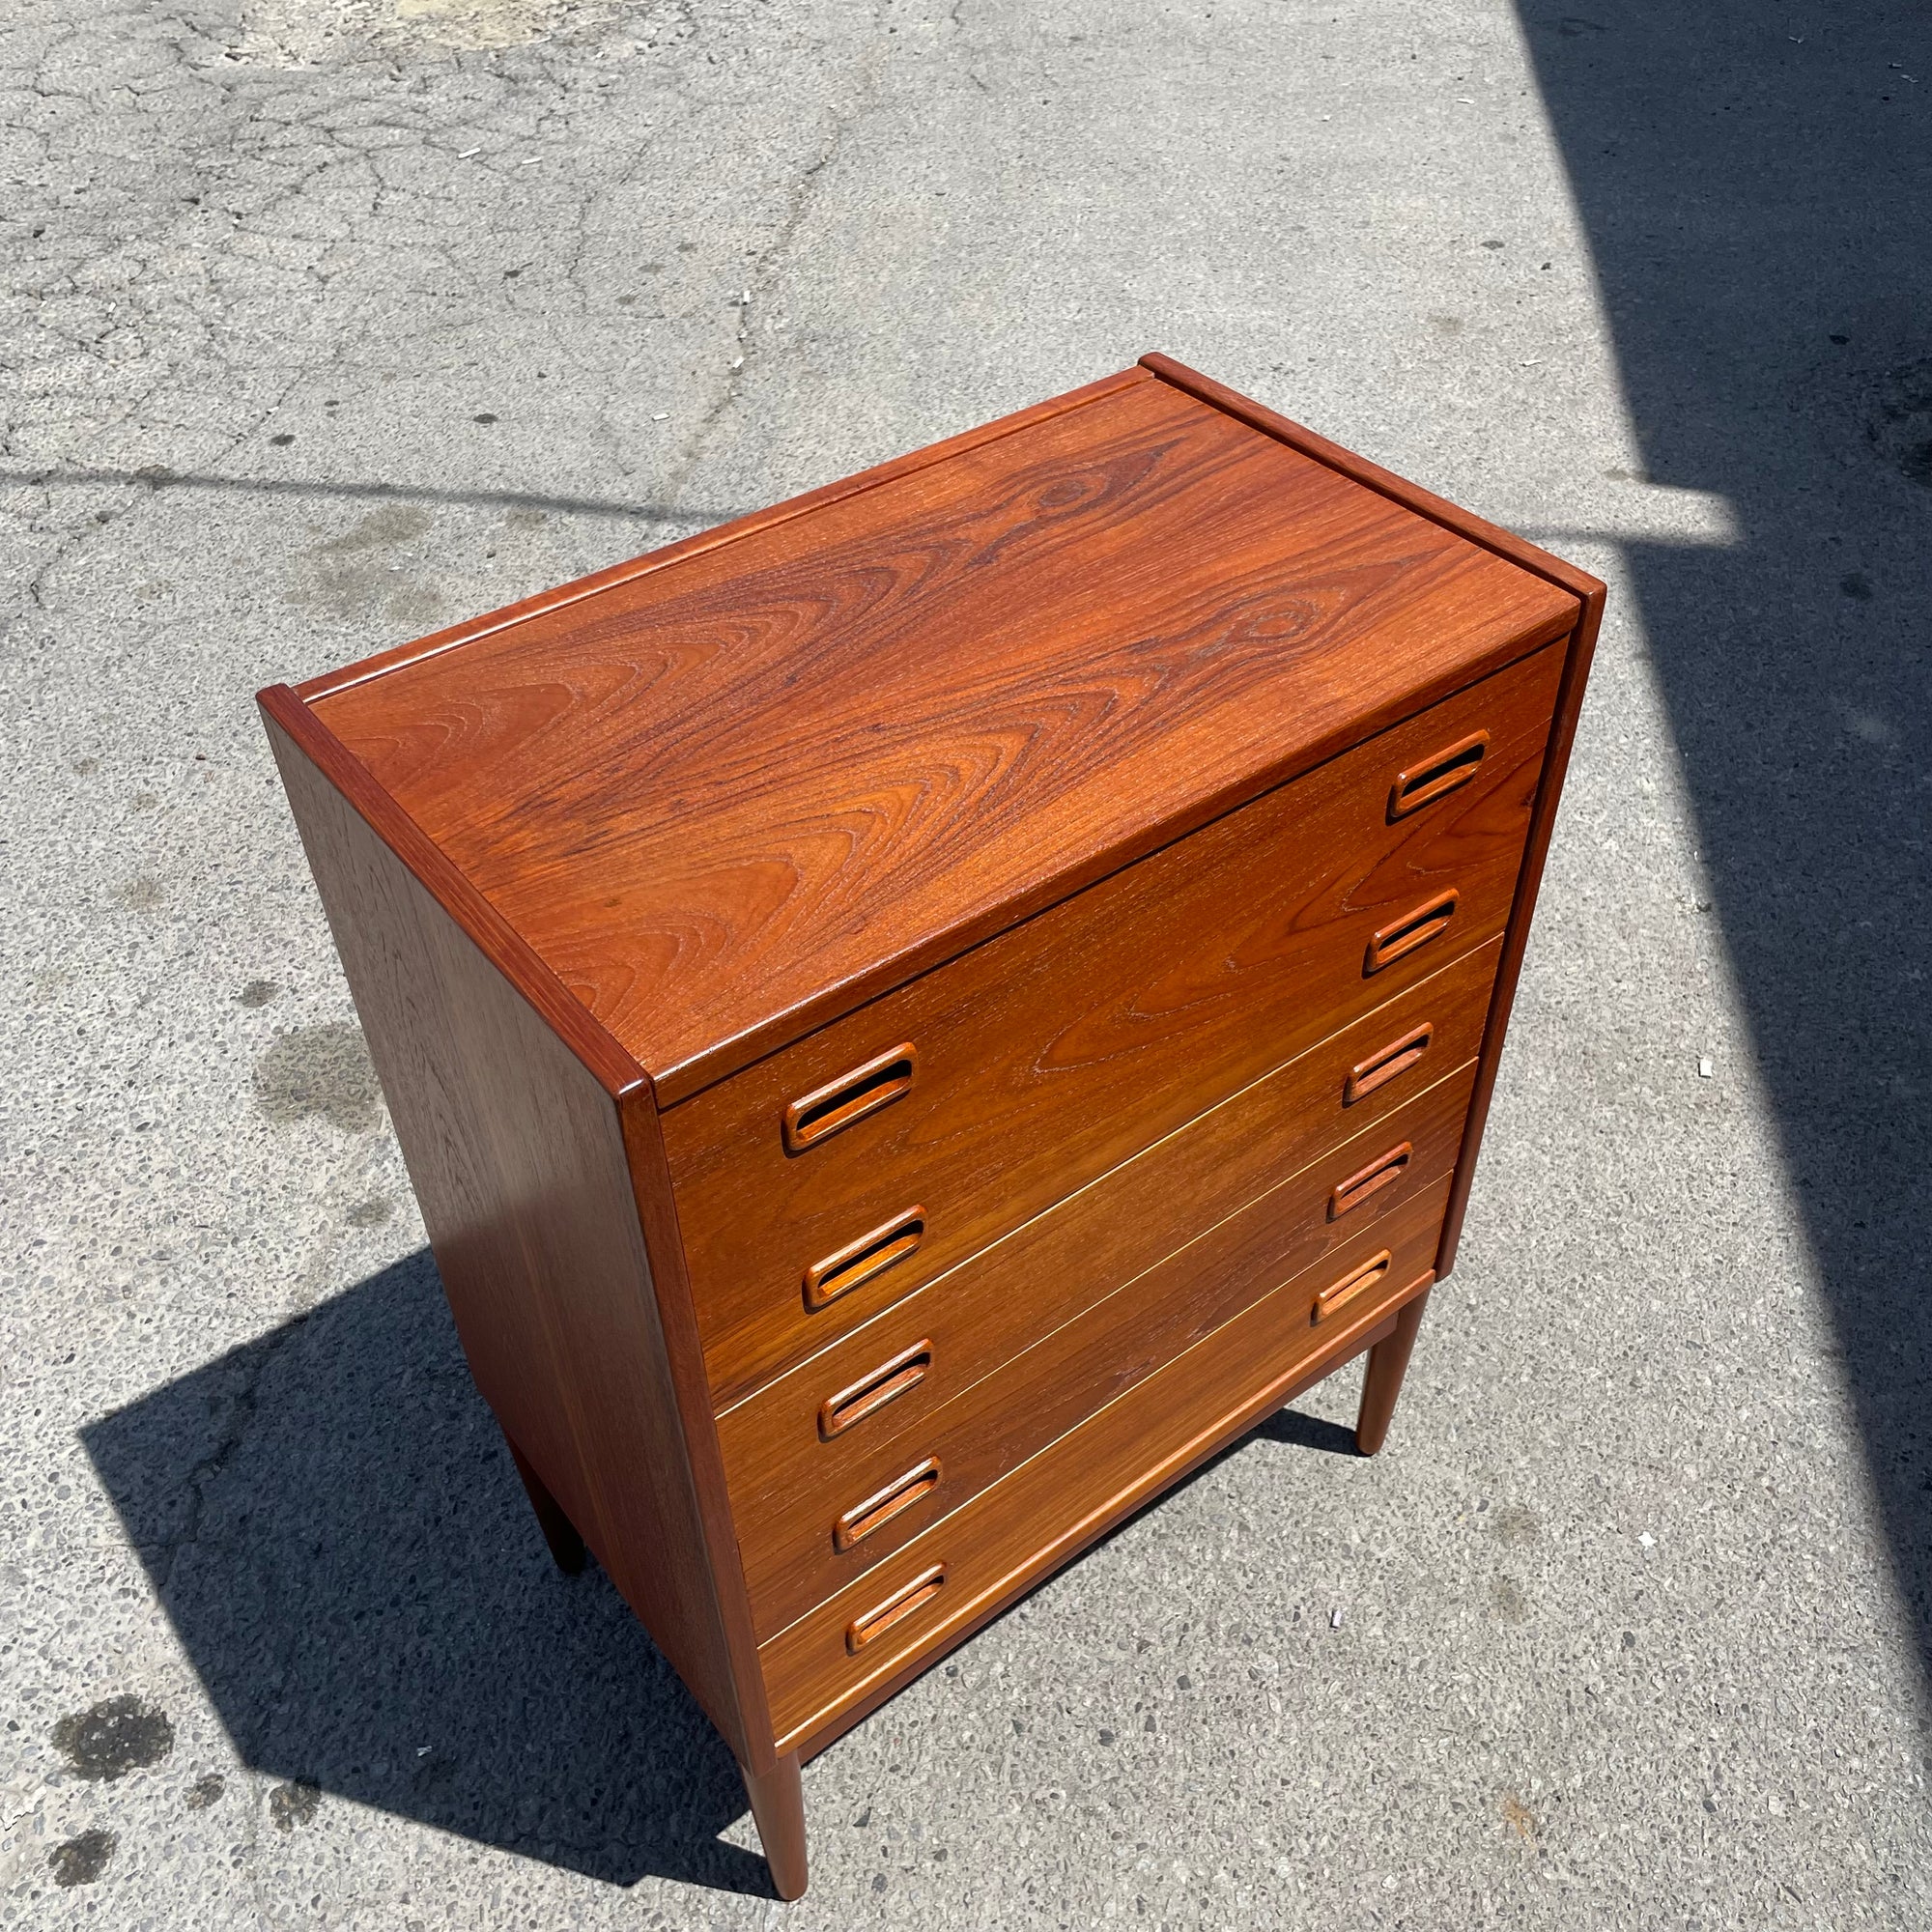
(257,993)
(372,1214)
(1902,428)
(292,1804)
(204,1790)
(391,524)
(320,1069)
(1511,1605)
(82,1860)
(114,1737)
(143,894)
(1514,1526)
(349,575)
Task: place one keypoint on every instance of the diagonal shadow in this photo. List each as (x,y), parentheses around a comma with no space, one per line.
(1756,183)
(157,476)
(332,1521)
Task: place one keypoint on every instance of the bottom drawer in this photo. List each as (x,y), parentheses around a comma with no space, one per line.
(1008,1536)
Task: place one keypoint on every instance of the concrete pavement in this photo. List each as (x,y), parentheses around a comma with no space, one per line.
(329,321)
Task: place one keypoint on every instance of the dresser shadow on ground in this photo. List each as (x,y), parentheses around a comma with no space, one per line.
(1294,1430)
(334,1527)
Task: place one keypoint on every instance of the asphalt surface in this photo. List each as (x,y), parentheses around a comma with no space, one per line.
(329,321)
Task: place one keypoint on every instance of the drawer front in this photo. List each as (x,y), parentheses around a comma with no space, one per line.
(875,1391)
(1010,1536)
(944,1114)
(865,1498)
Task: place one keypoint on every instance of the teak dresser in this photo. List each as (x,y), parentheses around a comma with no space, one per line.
(917,1016)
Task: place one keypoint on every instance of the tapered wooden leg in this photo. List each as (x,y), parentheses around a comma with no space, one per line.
(1388,1361)
(777,1809)
(560,1532)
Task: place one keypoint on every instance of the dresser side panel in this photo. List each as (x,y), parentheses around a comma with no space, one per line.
(518,1158)
(1516,940)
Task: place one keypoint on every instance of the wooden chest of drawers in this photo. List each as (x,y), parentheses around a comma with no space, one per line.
(918,1016)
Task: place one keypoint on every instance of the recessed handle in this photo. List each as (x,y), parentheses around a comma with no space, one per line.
(1382,1067)
(875,1512)
(1382,1172)
(897,1607)
(1357,1281)
(1453,765)
(827,1110)
(864,1259)
(1428,921)
(886,1383)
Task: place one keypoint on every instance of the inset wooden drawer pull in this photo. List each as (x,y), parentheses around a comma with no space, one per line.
(1428,921)
(1455,765)
(1379,1068)
(875,1512)
(1356,1281)
(859,1260)
(1379,1173)
(886,1383)
(916,1595)
(820,1113)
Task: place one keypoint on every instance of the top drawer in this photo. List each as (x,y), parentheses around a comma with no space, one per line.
(912,1132)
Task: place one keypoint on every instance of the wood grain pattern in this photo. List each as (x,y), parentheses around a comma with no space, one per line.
(480,923)
(704,1459)
(517,1154)
(729,798)
(778,1809)
(791,1561)
(1053,1505)
(1065,1046)
(778,1462)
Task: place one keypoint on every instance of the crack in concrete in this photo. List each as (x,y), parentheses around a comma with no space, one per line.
(771,258)
(242,1415)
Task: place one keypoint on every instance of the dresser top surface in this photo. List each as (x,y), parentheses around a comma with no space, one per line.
(729,791)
